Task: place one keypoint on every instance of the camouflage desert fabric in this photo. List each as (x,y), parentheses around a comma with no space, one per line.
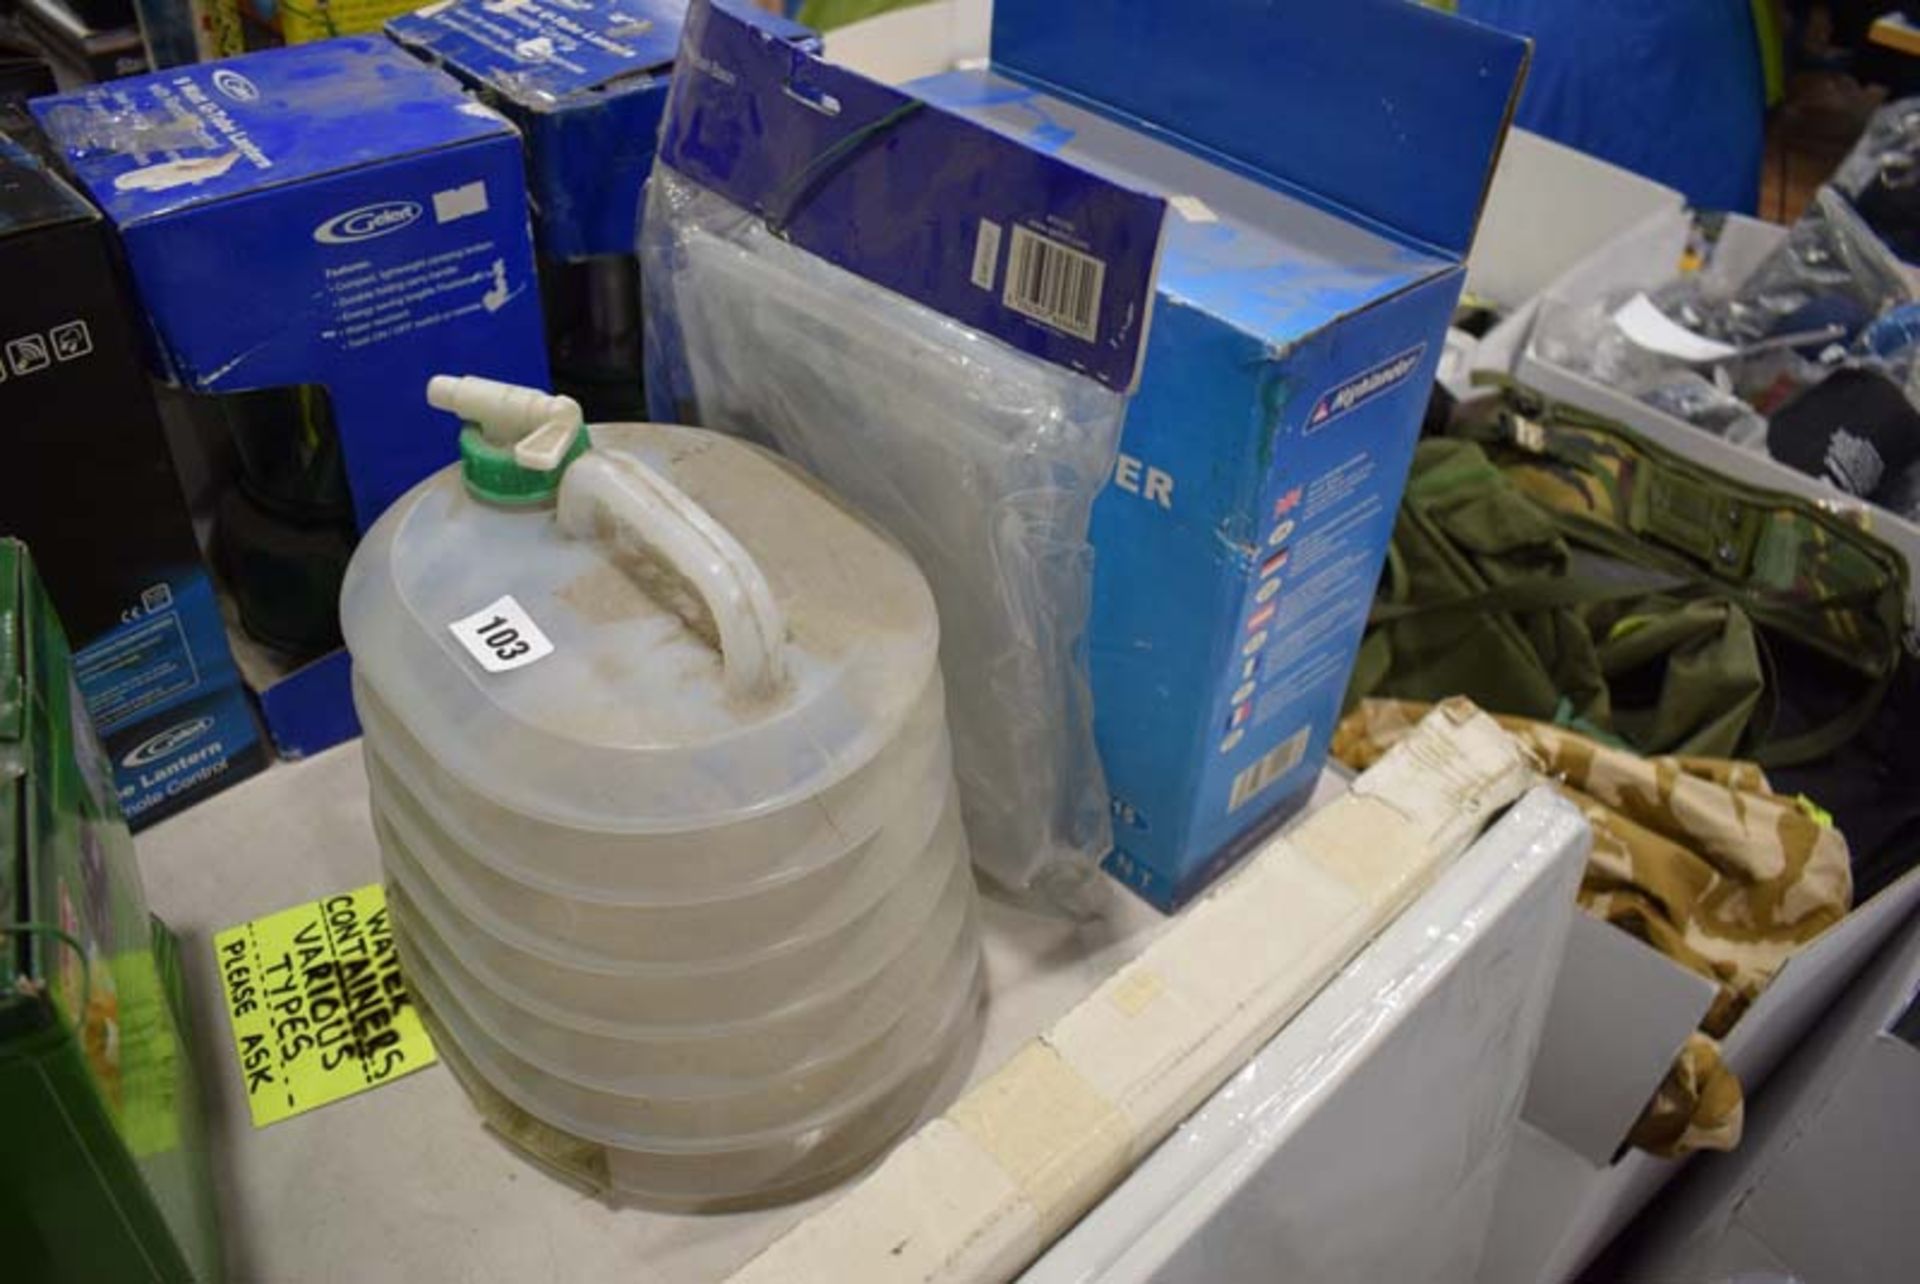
(1699,858)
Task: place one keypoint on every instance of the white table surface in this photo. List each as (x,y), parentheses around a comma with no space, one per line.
(403,1182)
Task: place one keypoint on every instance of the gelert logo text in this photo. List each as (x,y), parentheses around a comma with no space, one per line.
(1364,387)
(173,739)
(235,86)
(367,222)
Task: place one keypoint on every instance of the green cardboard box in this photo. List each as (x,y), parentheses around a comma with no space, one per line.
(103,1161)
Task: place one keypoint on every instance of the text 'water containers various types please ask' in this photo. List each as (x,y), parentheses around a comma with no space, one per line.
(660,771)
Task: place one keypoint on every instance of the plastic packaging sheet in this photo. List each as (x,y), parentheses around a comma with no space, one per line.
(1324,1161)
(1881,175)
(983,461)
(1689,395)
(1830,270)
(1889,146)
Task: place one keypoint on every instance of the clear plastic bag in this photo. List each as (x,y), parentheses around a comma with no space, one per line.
(1891,141)
(1891,345)
(1583,338)
(983,461)
(1830,269)
(1690,395)
(1881,176)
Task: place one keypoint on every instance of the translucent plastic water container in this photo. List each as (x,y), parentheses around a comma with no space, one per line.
(660,773)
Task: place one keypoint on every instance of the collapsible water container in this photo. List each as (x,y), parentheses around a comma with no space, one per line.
(660,773)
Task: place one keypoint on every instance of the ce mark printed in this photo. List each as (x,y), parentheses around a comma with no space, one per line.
(28,354)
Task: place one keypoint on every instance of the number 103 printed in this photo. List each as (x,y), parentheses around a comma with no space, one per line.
(501,636)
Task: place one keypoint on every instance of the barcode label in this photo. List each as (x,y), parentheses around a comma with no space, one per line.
(1054,284)
(1272,765)
(986,254)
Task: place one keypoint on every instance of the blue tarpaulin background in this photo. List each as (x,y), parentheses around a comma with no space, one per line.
(1673,89)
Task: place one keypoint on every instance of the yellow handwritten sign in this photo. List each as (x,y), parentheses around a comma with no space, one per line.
(320,1010)
(323,19)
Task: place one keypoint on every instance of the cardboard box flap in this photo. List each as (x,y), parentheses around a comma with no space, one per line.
(1445,1004)
(1821,1185)
(149,146)
(32,196)
(1559,1208)
(1548,208)
(1600,1059)
(1642,257)
(1260,257)
(1804,987)
(1273,87)
(1005,239)
(1838,1204)
(540,55)
(544,54)
(586,83)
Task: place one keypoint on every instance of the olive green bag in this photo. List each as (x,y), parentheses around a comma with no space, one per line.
(1553,565)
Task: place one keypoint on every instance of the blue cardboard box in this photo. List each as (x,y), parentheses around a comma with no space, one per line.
(332,214)
(584,80)
(1325,167)
(90,486)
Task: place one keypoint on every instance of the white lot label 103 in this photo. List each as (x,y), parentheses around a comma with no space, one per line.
(501,636)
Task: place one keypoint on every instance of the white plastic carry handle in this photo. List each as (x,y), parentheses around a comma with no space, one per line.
(647,511)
